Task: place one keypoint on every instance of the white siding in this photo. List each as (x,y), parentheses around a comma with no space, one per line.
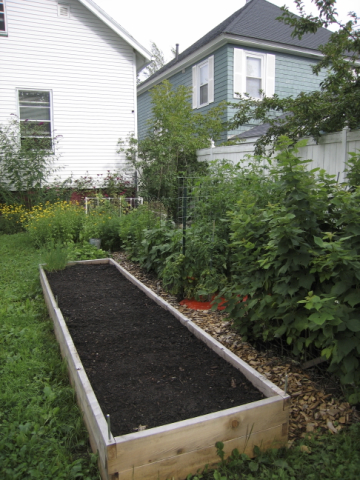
(90,71)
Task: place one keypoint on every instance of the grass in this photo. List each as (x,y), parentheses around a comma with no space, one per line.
(41,431)
(325,457)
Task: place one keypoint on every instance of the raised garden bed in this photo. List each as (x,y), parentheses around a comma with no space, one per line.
(146,369)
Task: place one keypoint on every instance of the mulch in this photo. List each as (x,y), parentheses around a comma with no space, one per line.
(317,402)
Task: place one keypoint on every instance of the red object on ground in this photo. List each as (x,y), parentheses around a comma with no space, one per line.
(196,305)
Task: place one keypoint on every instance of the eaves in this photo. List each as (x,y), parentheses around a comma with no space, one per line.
(218,42)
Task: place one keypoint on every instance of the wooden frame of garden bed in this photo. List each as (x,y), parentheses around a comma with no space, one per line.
(175,450)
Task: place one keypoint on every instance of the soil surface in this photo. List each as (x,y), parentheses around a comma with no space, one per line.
(145,367)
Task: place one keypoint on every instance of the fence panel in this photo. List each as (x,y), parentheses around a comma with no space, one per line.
(330,153)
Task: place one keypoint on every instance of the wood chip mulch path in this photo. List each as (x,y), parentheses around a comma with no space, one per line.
(316,401)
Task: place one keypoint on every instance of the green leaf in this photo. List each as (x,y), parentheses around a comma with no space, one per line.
(345,346)
(353,298)
(320,317)
(319,242)
(254,467)
(353,324)
(339,288)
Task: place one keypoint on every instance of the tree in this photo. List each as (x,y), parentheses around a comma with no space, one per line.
(337,103)
(174,134)
(157,61)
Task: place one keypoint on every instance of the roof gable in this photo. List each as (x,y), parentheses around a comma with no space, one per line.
(255,20)
(143,56)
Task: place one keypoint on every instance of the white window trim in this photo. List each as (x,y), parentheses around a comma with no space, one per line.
(51,107)
(4,32)
(196,82)
(267,71)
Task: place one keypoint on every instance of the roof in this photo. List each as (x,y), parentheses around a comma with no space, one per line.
(143,56)
(259,130)
(255,20)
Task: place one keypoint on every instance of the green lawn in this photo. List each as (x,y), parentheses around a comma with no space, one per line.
(41,431)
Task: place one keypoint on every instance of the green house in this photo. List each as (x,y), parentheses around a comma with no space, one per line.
(249,51)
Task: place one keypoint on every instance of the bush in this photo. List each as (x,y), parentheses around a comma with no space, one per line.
(299,263)
(60,222)
(10,218)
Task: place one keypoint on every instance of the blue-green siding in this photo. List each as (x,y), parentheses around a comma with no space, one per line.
(293,74)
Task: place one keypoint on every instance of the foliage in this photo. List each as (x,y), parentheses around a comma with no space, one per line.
(132,229)
(298,260)
(55,257)
(10,218)
(174,134)
(103,221)
(41,430)
(157,61)
(84,251)
(353,169)
(26,159)
(337,103)
(113,184)
(326,457)
(51,223)
(284,237)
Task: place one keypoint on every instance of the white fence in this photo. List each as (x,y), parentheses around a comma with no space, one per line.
(330,153)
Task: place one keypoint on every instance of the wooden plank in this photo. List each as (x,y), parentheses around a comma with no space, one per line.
(159,443)
(180,466)
(259,381)
(86,399)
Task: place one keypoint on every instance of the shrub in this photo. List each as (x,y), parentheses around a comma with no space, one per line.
(26,164)
(132,228)
(299,263)
(10,218)
(52,223)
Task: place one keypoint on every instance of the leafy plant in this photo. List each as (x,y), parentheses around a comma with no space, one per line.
(27,159)
(55,257)
(308,243)
(10,218)
(326,457)
(51,223)
(84,251)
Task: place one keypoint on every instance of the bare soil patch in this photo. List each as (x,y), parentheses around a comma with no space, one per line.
(146,368)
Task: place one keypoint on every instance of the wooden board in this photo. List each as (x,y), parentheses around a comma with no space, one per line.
(173,451)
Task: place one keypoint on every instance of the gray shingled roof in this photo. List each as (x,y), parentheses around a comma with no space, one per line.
(259,130)
(257,20)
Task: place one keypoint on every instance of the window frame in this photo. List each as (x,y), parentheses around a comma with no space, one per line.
(51,121)
(260,57)
(4,32)
(197,86)
(240,72)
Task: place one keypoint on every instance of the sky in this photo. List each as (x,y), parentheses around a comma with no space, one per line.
(184,22)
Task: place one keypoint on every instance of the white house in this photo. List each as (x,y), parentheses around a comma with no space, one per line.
(68,65)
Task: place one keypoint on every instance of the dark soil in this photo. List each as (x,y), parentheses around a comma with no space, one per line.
(144,366)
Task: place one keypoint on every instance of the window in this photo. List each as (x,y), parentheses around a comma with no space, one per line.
(254,72)
(3,25)
(203,83)
(35,117)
